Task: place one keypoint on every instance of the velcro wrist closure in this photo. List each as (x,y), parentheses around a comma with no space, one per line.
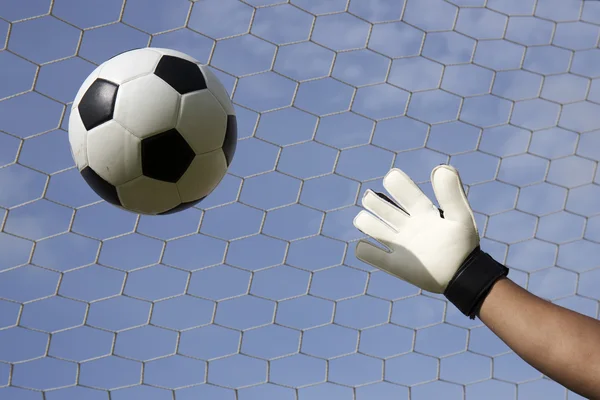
(472,282)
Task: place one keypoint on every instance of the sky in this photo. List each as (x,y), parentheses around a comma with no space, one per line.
(256,293)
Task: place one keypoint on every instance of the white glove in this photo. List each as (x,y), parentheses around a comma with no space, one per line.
(424,248)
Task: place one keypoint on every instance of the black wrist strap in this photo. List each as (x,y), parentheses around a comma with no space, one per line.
(472,282)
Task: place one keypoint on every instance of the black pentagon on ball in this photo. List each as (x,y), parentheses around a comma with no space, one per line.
(183,75)
(166,156)
(98,103)
(102,188)
(230,142)
(182,207)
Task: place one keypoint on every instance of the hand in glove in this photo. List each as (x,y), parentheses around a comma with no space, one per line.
(436,250)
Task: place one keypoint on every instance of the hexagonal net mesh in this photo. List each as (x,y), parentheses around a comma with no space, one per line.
(257,294)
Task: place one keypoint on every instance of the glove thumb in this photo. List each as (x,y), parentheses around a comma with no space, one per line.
(449,192)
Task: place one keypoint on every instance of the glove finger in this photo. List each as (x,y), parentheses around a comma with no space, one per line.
(369,253)
(450,194)
(406,192)
(372,226)
(385,210)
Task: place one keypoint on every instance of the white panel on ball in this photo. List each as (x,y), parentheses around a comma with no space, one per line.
(78,140)
(218,90)
(202,121)
(85,86)
(146,106)
(148,196)
(174,53)
(129,66)
(202,176)
(114,153)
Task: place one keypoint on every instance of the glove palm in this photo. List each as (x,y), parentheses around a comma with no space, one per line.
(423,248)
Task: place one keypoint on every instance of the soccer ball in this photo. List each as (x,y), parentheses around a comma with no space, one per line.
(152,131)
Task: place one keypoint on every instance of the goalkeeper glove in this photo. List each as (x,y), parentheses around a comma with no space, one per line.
(436,250)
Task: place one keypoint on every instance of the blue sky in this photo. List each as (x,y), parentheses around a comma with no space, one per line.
(257,293)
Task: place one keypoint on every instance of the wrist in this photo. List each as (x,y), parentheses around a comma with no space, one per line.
(473,281)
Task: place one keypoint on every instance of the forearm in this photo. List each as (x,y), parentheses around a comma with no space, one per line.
(558,342)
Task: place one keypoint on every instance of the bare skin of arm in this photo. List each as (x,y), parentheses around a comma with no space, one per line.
(560,343)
